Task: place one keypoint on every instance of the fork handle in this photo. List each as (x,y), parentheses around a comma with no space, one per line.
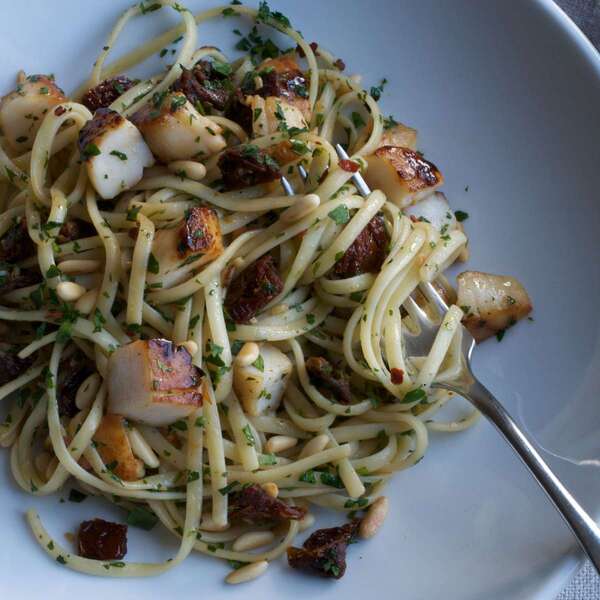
(581,523)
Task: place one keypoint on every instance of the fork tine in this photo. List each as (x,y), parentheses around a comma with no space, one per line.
(417,313)
(287,186)
(302,172)
(357,178)
(434,298)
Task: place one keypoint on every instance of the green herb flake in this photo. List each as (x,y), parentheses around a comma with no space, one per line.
(340,214)
(417,395)
(259,363)
(248,435)
(142,518)
(119,155)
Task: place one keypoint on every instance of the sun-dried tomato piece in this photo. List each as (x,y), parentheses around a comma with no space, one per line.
(11,366)
(324,552)
(73,230)
(106,92)
(205,85)
(246,166)
(397,375)
(239,112)
(367,253)
(72,372)
(102,540)
(328,379)
(253,289)
(254,506)
(16,244)
(349,165)
(13,277)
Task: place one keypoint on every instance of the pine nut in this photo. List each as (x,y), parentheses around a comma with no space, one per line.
(87,391)
(374,518)
(300,208)
(279,443)
(271,489)
(252,540)
(142,449)
(41,462)
(73,266)
(248,354)
(306,522)
(192,169)
(317,444)
(70,537)
(279,309)
(190,346)
(69,291)
(86,303)
(247,572)
(258,82)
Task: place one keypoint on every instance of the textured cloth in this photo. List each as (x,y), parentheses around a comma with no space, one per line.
(586,14)
(584,586)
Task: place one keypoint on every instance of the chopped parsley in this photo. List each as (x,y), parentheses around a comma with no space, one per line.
(461,215)
(340,214)
(153,265)
(417,395)
(142,518)
(259,363)
(119,155)
(248,435)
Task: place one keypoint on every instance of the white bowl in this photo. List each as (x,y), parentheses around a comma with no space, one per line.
(506,97)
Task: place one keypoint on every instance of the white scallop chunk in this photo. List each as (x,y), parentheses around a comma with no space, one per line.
(115,153)
(260,386)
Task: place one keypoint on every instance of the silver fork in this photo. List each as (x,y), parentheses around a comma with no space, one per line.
(581,523)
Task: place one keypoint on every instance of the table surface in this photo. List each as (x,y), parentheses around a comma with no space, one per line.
(586,14)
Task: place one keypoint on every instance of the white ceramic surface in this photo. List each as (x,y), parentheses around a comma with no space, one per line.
(506,97)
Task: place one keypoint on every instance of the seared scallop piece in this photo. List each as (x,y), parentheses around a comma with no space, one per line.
(153,382)
(436,210)
(179,250)
(399,135)
(22,111)
(282,78)
(106,92)
(491,303)
(115,450)
(261,385)
(175,130)
(402,174)
(114,151)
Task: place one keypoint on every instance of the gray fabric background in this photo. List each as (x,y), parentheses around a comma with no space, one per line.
(586,14)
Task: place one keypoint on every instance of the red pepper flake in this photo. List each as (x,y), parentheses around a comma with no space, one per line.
(397,375)
(413,218)
(313,47)
(60,110)
(340,64)
(349,165)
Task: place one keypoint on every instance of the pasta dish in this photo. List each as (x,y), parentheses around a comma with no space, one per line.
(202,320)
